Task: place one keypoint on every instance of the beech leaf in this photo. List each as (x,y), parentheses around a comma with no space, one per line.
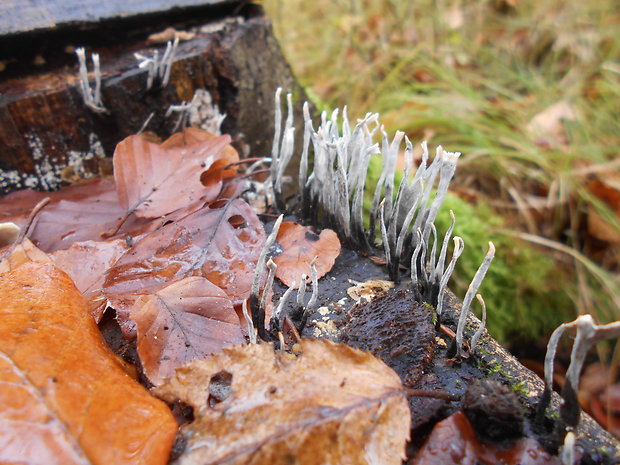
(76,214)
(17,205)
(210,243)
(453,441)
(300,246)
(332,404)
(86,264)
(184,321)
(64,397)
(156,179)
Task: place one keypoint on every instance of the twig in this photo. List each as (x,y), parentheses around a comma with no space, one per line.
(411,392)
(26,228)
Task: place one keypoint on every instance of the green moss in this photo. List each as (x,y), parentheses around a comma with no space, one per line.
(521,289)
(519,388)
(497,368)
(432,310)
(604,450)
(481,350)
(474,89)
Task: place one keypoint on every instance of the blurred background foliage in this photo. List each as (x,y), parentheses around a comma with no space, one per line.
(529,92)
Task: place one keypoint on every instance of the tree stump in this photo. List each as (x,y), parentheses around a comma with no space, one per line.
(50,137)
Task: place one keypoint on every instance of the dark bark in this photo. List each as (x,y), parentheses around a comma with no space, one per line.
(45,126)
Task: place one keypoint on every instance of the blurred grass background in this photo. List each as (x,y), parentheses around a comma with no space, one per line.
(529,92)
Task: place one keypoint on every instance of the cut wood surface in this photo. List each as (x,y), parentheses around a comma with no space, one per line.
(50,136)
(17,16)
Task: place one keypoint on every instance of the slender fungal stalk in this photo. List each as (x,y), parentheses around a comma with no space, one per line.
(476,337)
(469,296)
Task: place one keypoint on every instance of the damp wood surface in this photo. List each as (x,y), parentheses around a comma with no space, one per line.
(51,138)
(431,370)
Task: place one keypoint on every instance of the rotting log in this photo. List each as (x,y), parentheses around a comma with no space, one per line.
(49,136)
(491,360)
(18,16)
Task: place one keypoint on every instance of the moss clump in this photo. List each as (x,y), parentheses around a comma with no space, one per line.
(521,289)
(519,388)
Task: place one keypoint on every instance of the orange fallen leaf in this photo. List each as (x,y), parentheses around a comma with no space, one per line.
(22,253)
(86,264)
(299,247)
(64,397)
(332,404)
(210,243)
(156,179)
(184,321)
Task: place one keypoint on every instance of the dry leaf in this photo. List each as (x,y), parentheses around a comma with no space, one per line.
(300,245)
(601,229)
(167,35)
(219,244)
(86,264)
(64,397)
(368,289)
(184,321)
(156,179)
(453,441)
(332,404)
(549,123)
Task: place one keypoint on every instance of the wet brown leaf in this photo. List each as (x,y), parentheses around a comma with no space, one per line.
(606,409)
(332,404)
(17,205)
(300,245)
(156,179)
(454,442)
(86,264)
(64,397)
(75,214)
(210,243)
(184,321)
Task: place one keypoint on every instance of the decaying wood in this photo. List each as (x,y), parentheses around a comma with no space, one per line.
(18,16)
(49,136)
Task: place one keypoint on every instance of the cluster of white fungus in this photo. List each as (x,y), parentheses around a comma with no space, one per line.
(332,188)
